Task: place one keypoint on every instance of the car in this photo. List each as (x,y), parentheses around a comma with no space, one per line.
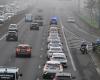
(2,19)
(34,26)
(39,19)
(54,45)
(12,35)
(28,18)
(51,68)
(71,20)
(63,76)
(61,57)
(56,42)
(53,21)
(23,50)
(13,27)
(54,50)
(40,22)
(9,73)
(52,38)
(53,34)
(53,29)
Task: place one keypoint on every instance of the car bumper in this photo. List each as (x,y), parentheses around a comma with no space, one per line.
(23,54)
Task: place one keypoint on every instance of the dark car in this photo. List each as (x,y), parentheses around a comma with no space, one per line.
(23,50)
(53,22)
(34,26)
(12,36)
(38,17)
(39,20)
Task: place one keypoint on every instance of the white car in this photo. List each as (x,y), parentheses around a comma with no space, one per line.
(51,68)
(13,27)
(53,34)
(55,42)
(53,29)
(54,50)
(54,45)
(2,19)
(71,19)
(61,57)
(50,38)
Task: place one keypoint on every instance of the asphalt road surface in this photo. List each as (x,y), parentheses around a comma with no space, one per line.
(81,66)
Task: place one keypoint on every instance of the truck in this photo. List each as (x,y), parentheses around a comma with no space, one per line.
(28,18)
(9,73)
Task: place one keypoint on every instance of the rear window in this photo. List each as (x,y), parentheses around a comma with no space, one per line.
(23,47)
(59,58)
(63,78)
(53,65)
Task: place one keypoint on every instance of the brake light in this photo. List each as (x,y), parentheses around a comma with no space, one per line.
(17,49)
(28,50)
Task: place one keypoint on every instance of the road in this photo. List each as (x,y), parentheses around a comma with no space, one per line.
(81,66)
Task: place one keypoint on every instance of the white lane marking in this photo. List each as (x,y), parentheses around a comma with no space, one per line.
(3,36)
(73,65)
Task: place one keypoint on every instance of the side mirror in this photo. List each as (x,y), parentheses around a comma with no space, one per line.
(20,75)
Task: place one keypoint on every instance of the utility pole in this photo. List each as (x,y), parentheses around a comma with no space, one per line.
(99,12)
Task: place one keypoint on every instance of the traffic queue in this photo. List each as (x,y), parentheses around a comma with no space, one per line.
(56,58)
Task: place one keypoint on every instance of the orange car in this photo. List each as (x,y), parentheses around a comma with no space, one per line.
(23,50)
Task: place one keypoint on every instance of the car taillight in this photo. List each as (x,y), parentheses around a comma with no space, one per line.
(28,50)
(17,50)
(46,66)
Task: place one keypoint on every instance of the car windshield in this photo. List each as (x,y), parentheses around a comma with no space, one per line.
(7,76)
(34,25)
(12,26)
(62,58)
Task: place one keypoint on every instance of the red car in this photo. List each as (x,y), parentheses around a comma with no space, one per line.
(23,50)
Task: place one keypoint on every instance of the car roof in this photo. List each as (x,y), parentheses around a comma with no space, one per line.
(23,45)
(53,62)
(13,24)
(9,69)
(63,74)
(58,55)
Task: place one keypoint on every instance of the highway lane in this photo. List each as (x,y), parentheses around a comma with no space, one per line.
(32,68)
(29,67)
(74,35)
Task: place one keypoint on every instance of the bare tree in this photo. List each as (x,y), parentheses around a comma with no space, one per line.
(91,7)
